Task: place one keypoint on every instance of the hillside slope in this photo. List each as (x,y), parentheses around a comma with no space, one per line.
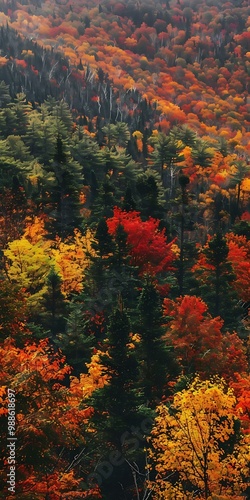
(124,249)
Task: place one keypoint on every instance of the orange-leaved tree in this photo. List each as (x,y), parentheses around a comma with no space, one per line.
(198,340)
(239,256)
(241,387)
(50,423)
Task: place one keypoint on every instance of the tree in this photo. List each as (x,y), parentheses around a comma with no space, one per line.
(239,256)
(11,169)
(185,134)
(195,446)
(241,170)
(13,313)
(53,302)
(157,362)
(63,203)
(241,387)
(120,167)
(4,94)
(20,107)
(150,195)
(14,209)
(18,149)
(86,151)
(120,402)
(105,200)
(166,155)
(72,259)
(111,274)
(103,244)
(147,244)
(200,345)
(202,154)
(183,181)
(116,135)
(77,338)
(62,112)
(49,417)
(28,266)
(215,275)
(41,137)
(119,406)
(128,201)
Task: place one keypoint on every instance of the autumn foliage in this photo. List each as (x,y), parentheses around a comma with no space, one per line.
(124,248)
(191,436)
(48,418)
(147,244)
(200,344)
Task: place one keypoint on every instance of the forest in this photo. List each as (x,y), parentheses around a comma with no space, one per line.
(124,249)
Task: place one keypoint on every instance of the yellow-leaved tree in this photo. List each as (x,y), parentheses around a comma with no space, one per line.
(30,259)
(72,257)
(196,448)
(28,266)
(96,378)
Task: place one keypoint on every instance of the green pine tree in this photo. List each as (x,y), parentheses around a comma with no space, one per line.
(86,151)
(53,317)
(185,134)
(183,221)
(216,289)
(63,205)
(110,274)
(118,402)
(77,340)
(119,412)
(150,196)
(128,201)
(21,109)
(167,153)
(158,365)
(105,200)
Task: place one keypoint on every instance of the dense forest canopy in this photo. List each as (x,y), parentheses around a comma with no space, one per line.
(124,249)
